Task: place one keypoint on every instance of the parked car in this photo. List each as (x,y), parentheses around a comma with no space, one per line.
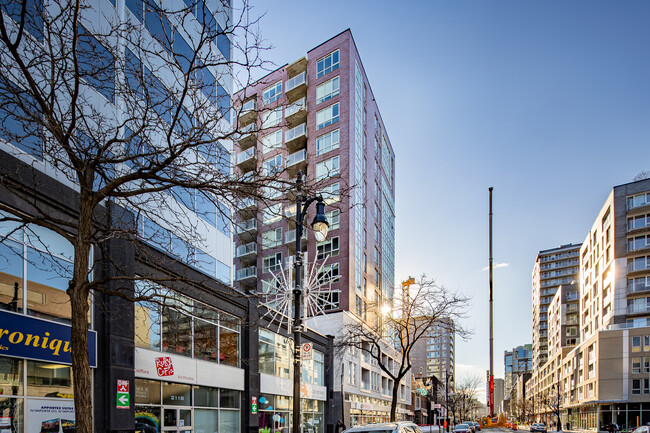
(538,427)
(472,428)
(386,427)
(462,428)
(477,426)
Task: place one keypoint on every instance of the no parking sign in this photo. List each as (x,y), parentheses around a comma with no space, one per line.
(306,351)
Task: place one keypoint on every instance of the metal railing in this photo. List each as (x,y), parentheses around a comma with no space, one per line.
(245,155)
(296,81)
(296,132)
(249,248)
(296,157)
(244,226)
(295,107)
(244,273)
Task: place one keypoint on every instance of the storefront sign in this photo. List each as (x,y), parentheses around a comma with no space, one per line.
(41,340)
(123,397)
(150,364)
(49,415)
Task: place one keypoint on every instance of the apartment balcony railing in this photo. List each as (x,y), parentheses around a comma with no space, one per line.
(296,138)
(296,86)
(247,136)
(297,112)
(246,159)
(248,112)
(244,250)
(295,158)
(247,203)
(290,236)
(245,273)
(635,309)
(249,225)
(634,267)
(638,224)
(638,287)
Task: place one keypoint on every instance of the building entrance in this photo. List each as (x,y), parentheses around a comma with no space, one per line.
(178,419)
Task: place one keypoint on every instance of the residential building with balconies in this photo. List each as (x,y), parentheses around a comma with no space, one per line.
(553,268)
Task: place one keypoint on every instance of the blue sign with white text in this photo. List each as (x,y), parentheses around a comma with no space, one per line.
(42,340)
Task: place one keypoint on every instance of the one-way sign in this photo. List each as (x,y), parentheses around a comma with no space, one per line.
(123,400)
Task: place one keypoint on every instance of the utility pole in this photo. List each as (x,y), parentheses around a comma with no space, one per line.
(491,390)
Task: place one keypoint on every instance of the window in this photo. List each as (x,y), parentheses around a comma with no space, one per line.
(33,15)
(333,219)
(272,165)
(330,193)
(327,90)
(271,141)
(638,200)
(352,373)
(271,118)
(636,344)
(327,142)
(167,327)
(359,305)
(328,168)
(275,354)
(272,263)
(327,116)
(272,214)
(272,94)
(329,273)
(327,64)
(636,386)
(96,64)
(272,238)
(636,365)
(328,248)
(20,131)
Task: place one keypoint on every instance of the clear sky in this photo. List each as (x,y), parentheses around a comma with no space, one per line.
(546,101)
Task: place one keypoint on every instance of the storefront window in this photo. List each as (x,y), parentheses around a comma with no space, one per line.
(206,397)
(229,399)
(11,275)
(206,420)
(147,391)
(12,414)
(49,380)
(266,348)
(147,419)
(177,394)
(11,376)
(229,421)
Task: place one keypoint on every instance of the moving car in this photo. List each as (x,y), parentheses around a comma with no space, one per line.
(538,427)
(386,427)
(472,428)
(462,428)
(477,426)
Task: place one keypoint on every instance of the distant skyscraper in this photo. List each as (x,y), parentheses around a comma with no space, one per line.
(434,355)
(553,268)
(516,362)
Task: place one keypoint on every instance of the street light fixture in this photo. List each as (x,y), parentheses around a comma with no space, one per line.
(320,225)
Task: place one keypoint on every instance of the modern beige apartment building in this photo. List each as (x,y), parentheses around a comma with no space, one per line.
(605,377)
(553,268)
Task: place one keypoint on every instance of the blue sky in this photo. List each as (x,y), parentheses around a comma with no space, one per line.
(546,101)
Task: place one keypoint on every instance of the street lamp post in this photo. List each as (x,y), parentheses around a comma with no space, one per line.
(320,227)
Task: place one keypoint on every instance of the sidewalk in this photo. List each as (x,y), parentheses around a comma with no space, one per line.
(527,428)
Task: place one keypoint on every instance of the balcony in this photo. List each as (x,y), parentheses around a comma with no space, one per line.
(296,113)
(290,239)
(296,138)
(246,250)
(246,273)
(638,287)
(296,87)
(248,112)
(247,136)
(247,204)
(638,267)
(297,67)
(247,159)
(248,226)
(297,161)
(638,309)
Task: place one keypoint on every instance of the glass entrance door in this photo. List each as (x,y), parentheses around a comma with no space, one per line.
(178,419)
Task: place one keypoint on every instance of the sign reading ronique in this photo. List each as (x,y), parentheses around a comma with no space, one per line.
(42,340)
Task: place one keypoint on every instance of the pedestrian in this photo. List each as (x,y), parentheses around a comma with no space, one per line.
(340,426)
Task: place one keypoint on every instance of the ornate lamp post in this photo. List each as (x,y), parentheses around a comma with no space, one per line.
(320,225)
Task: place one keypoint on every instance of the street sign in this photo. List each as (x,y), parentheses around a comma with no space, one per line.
(306,351)
(253,405)
(123,400)
(122,397)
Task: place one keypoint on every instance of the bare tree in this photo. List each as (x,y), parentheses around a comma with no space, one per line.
(421,306)
(466,392)
(645,174)
(127,119)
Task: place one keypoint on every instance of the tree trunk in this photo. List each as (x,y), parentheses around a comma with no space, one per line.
(393,403)
(78,290)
